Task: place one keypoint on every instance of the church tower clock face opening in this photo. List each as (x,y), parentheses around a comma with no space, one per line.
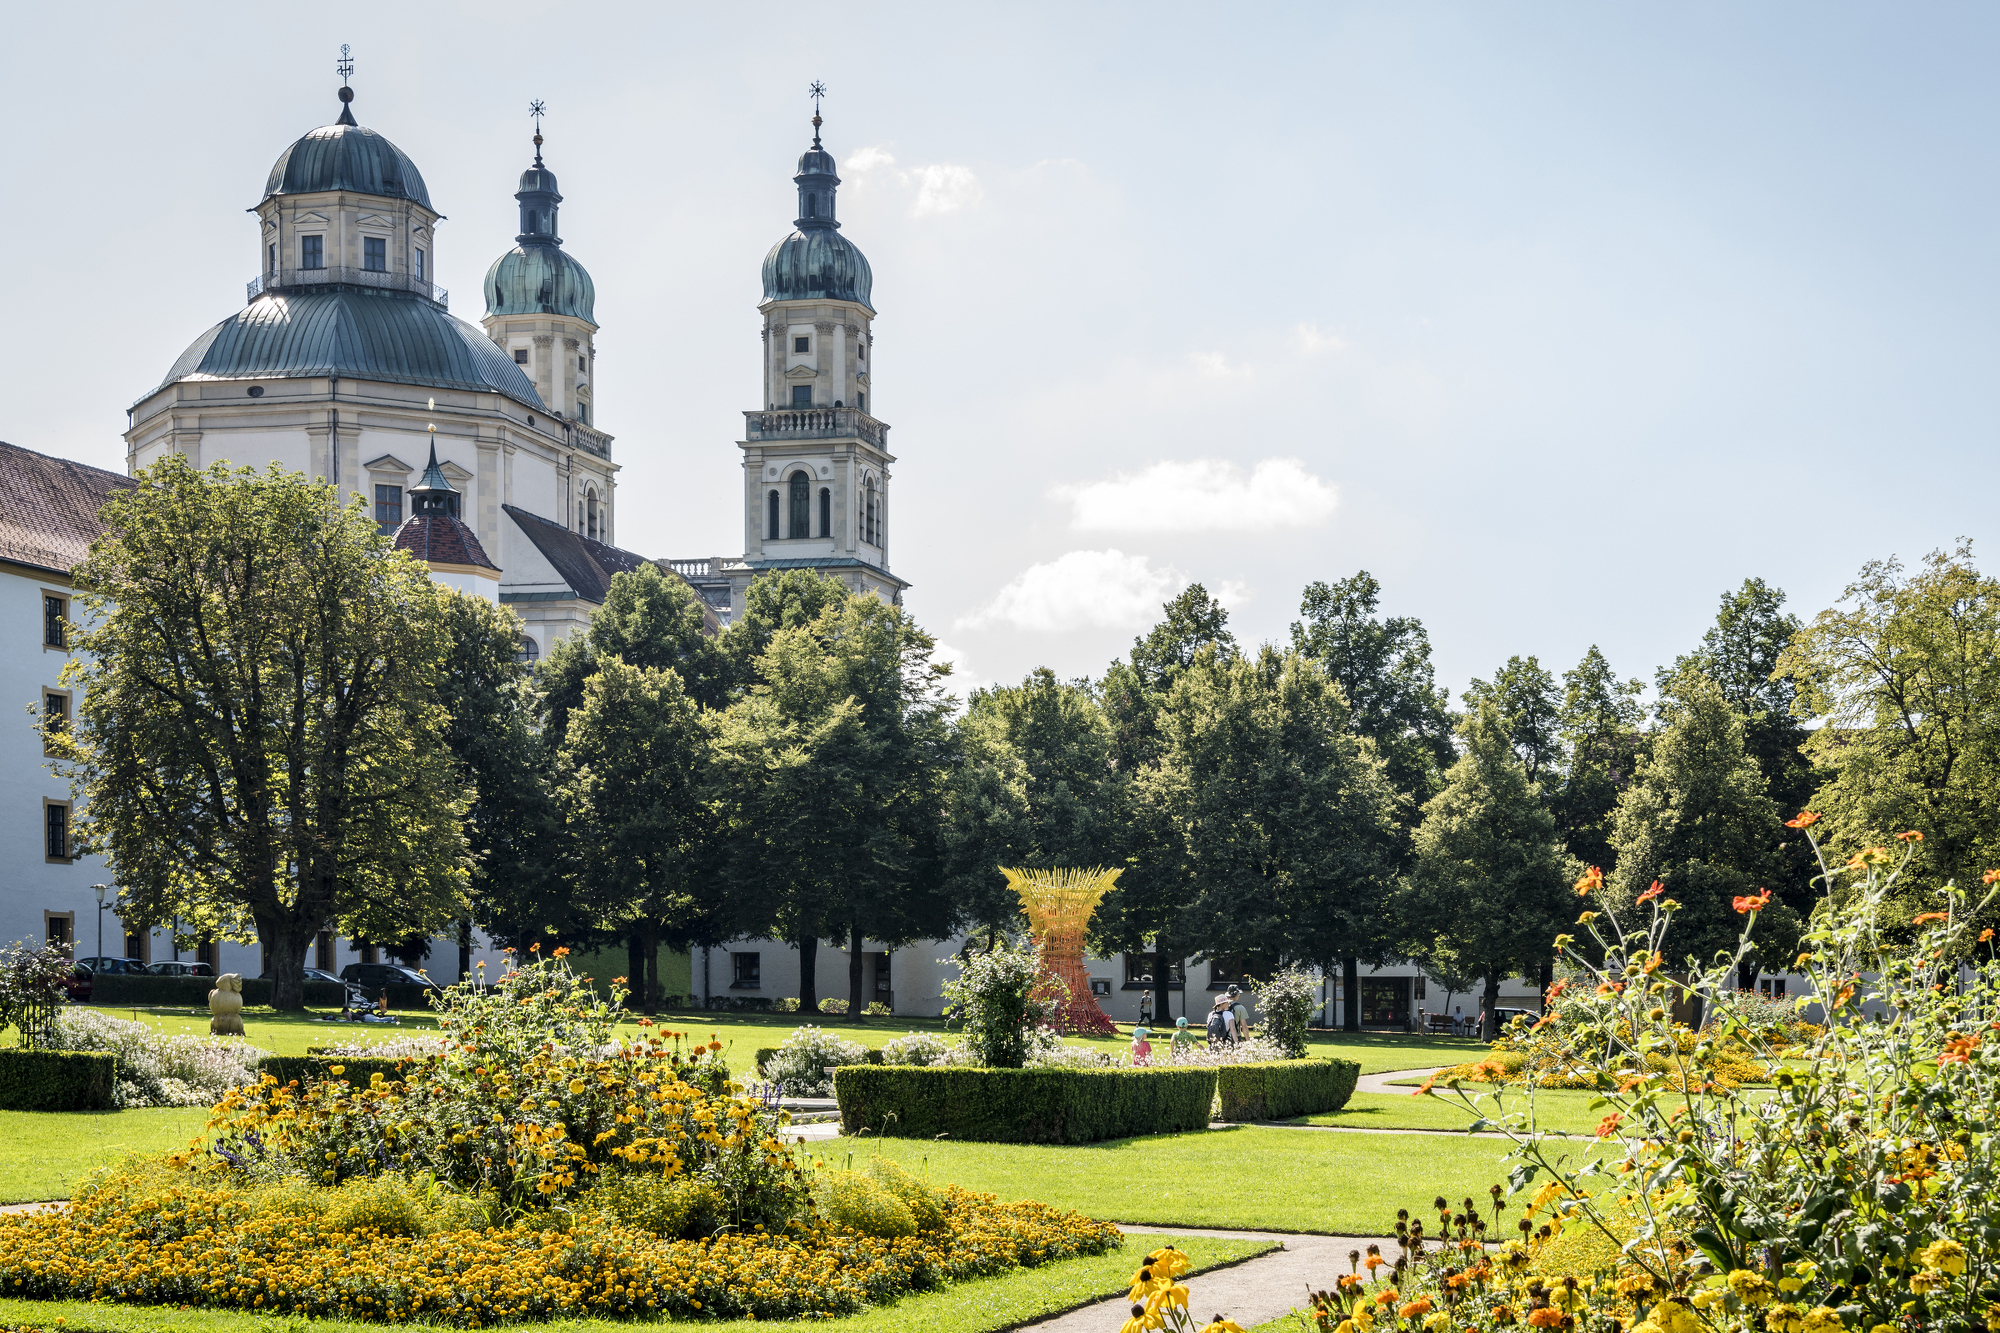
(816,460)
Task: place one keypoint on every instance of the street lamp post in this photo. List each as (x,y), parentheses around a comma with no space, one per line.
(100,918)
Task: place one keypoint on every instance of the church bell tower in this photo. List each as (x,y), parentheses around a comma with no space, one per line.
(816,458)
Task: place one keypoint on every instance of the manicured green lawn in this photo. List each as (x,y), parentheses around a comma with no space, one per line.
(1563,1111)
(44,1153)
(967,1307)
(1250,1177)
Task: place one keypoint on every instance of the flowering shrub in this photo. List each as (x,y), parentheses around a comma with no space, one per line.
(799,1068)
(155,1069)
(1253,1049)
(1160,1299)
(34,982)
(919,1048)
(1857,1195)
(1288,1000)
(1001,997)
(230,1246)
(530,1008)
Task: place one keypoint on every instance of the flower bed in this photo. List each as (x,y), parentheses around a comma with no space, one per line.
(246,1249)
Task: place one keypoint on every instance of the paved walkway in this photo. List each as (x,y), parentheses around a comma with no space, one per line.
(1383,1082)
(1250,1292)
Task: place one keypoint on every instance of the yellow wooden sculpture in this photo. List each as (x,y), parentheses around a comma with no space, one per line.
(225,1006)
(1059,905)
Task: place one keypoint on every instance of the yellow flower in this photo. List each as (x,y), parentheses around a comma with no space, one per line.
(576,1086)
(1946,1255)
(1750,1288)
(1928,1281)
(1437,1323)
(1822,1320)
(1221,1325)
(1790,1284)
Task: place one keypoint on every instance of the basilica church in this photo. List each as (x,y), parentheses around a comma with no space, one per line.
(480,449)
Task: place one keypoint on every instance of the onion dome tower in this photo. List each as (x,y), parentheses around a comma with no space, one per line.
(541,303)
(815,457)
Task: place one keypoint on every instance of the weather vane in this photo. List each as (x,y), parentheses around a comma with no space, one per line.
(818,91)
(346,66)
(535,109)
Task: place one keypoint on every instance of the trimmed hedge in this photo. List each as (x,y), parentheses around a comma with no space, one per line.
(56,1080)
(126,990)
(1281,1089)
(1021,1105)
(356,1069)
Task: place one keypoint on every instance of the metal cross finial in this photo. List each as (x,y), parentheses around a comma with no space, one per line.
(345,67)
(535,109)
(818,91)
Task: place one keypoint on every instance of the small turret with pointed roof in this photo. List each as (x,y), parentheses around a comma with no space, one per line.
(434,496)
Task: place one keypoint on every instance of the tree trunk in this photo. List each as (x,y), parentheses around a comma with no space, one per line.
(649,943)
(464,948)
(285,957)
(1746,972)
(635,968)
(1547,980)
(1350,986)
(1490,1002)
(855,959)
(808,946)
(1163,1009)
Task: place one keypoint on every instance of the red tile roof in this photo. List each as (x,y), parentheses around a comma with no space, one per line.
(48,507)
(442,541)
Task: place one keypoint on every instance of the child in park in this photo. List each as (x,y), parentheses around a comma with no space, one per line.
(1142,1050)
(1183,1039)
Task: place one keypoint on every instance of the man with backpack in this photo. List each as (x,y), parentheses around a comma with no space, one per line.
(1221,1024)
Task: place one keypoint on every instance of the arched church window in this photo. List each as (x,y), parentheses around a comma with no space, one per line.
(592,527)
(812,205)
(773,524)
(801,506)
(825,512)
(529,652)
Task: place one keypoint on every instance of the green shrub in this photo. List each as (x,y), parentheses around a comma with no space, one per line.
(877,1009)
(832,1006)
(1281,1089)
(356,1069)
(139,991)
(1022,1105)
(57,1080)
(674,1207)
(764,1055)
(852,1199)
(922,1201)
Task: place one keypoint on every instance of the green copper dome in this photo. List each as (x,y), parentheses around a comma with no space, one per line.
(540,280)
(347,157)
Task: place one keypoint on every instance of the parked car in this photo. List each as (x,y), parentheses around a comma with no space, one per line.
(312,974)
(78,984)
(373,976)
(180,969)
(128,965)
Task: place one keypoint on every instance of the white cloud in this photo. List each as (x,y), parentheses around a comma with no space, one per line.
(1205,495)
(1312,340)
(1082,589)
(962,681)
(944,188)
(866,159)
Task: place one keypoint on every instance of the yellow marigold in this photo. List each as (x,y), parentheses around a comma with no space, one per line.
(1945,1255)
(1751,1288)
(1928,1281)
(1822,1319)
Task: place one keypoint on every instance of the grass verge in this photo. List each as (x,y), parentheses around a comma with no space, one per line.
(47,1152)
(1252,1177)
(980,1306)
(1563,1112)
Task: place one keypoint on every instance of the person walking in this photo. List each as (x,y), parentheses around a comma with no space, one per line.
(1239,1013)
(1183,1041)
(1142,1050)
(1219,1020)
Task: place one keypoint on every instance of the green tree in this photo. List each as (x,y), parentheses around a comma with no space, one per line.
(1697,818)
(1486,895)
(1383,668)
(1038,788)
(830,781)
(1146,912)
(1904,676)
(631,783)
(1530,708)
(1600,727)
(260,746)
(511,825)
(649,618)
(775,600)
(1282,816)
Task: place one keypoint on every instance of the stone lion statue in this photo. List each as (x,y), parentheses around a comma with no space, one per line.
(225,1006)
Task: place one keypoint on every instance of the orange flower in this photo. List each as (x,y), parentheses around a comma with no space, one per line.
(1652,893)
(1420,1306)
(1806,819)
(1653,963)
(1989,876)
(1546,1317)
(1911,836)
(562,951)
(1609,1125)
(1387,1296)
(1986,934)
(1373,1262)
(1957,1050)
(1426,1087)
(619,981)
(1755,902)
(536,947)
(1592,878)
(1922,918)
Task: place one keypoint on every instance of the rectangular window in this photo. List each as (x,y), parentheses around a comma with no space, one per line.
(418,257)
(56,815)
(802,345)
(55,715)
(375,254)
(861,351)
(861,402)
(802,395)
(55,621)
(323,951)
(312,252)
(520,356)
(746,971)
(61,931)
(135,945)
(1240,969)
(1139,972)
(388,507)
(271,259)
(882,987)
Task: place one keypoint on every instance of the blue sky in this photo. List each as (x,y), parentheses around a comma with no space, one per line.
(1560,319)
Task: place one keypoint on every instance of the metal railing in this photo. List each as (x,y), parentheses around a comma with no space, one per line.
(816,423)
(355,277)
